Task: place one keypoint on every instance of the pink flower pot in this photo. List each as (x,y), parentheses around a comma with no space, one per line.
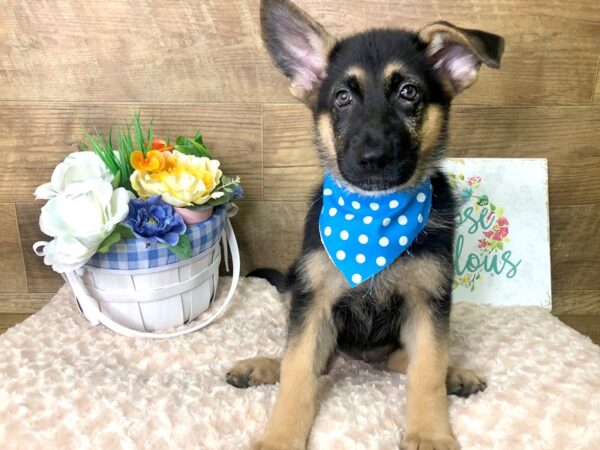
(191,217)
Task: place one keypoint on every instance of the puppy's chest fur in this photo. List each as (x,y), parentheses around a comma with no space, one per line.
(370,315)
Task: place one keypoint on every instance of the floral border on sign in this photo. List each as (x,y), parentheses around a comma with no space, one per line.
(492,240)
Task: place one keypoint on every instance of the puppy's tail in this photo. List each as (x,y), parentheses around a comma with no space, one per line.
(273,276)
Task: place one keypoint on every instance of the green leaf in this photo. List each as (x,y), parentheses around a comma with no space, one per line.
(116,182)
(125,231)
(183,249)
(492,207)
(110,240)
(188,146)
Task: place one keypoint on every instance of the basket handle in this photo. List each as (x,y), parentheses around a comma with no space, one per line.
(92,312)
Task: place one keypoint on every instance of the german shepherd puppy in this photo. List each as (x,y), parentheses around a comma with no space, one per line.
(380,102)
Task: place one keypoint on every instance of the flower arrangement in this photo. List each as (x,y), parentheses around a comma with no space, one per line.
(142,188)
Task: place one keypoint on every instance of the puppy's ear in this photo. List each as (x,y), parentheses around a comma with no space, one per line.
(297,43)
(457,53)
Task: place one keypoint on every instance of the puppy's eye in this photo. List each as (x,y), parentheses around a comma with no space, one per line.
(409,92)
(343,98)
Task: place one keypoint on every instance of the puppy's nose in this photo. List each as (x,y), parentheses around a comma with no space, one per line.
(374,154)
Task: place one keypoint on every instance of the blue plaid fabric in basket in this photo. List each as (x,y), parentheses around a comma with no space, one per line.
(132,254)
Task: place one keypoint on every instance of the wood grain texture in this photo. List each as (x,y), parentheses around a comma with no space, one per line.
(12,267)
(23,303)
(40,278)
(291,183)
(201,64)
(575,247)
(576,302)
(586,325)
(596,100)
(288,136)
(38,136)
(10,320)
(210,51)
(269,233)
(568,136)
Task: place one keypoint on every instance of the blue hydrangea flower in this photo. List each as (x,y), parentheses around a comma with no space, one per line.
(239,192)
(153,220)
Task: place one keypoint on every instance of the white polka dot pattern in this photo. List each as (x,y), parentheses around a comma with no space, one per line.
(365,234)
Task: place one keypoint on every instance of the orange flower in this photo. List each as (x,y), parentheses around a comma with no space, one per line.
(160,145)
(153,162)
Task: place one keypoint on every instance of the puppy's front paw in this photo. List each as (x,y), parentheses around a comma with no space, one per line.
(464,382)
(253,372)
(278,444)
(420,441)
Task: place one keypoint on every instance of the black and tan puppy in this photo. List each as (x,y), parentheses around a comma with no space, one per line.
(380,102)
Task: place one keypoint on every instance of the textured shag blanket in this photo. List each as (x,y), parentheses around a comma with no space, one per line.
(67,385)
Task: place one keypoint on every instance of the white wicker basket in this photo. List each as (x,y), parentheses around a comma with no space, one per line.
(142,302)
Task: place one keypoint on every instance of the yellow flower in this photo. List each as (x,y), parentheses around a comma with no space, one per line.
(185,180)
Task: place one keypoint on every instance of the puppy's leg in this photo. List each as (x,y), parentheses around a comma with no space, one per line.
(311,341)
(428,424)
(304,360)
(459,381)
(254,372)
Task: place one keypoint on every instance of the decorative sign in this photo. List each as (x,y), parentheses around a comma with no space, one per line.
(502,248)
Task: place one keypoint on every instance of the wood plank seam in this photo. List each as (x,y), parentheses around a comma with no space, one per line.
(21,247)
(594,86)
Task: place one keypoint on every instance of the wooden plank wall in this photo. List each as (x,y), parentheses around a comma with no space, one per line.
(70,64)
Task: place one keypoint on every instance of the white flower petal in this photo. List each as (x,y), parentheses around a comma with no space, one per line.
(45,192)
(66,253)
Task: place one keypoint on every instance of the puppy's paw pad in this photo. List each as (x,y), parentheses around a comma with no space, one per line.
(253,372)
(464,382)
(419,442)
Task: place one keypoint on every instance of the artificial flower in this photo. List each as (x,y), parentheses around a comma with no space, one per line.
(161,146)
(239,190)
(79,219)
(76,167)
(154,161)
(153,220)
(187,180)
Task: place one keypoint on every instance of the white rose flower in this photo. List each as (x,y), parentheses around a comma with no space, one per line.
(76,167)
(79,219)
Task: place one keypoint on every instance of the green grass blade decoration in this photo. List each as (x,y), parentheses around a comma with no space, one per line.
(150,137)
(139,134)
(99,145)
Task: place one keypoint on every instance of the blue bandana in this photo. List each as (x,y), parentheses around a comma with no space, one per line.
(365,234)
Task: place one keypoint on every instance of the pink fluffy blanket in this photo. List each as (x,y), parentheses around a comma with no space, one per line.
(68,385)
